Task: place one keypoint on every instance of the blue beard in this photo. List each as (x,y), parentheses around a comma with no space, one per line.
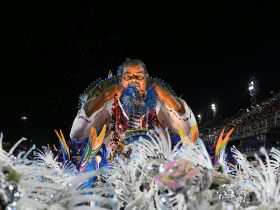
(133,102)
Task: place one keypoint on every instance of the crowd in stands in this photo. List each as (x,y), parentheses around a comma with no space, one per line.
(253,118)
(251,147)
(262,110)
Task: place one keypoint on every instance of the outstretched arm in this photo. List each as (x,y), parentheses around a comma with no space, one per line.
(176,114)
(169,100)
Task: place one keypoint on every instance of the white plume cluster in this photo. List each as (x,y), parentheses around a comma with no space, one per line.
(155,177)
(41,183)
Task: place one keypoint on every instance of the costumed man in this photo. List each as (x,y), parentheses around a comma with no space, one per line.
(132,107)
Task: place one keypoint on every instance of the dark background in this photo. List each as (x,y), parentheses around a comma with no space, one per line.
(206,51)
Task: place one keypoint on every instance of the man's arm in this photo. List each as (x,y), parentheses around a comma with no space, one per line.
(83,123)
(169,100)
(176,114)
(94,113)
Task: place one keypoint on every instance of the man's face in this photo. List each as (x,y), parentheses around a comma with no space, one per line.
(135,75)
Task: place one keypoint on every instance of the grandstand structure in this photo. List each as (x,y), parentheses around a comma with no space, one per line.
(255,127)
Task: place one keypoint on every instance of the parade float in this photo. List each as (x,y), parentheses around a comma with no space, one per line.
(158,169)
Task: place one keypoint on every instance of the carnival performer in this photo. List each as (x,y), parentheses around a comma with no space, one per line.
(132,107)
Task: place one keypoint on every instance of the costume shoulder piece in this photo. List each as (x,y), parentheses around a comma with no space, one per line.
(158,81)
(98,86)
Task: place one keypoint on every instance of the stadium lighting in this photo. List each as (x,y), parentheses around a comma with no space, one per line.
(252,89)
(24,118)
(199,117)
(213,107)
(251,86)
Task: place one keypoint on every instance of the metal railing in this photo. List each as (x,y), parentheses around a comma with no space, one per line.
(251,130)
(264,124)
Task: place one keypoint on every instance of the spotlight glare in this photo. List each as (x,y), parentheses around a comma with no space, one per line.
(24,118)
(251,88)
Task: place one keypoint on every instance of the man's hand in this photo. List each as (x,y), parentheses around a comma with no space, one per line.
(95,104)
(113,91)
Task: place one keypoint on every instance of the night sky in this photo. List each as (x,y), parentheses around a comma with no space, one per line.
(206,51)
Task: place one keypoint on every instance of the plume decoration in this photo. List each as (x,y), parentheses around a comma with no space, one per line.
(184,139)
(127,97)
(275,158)
(244,167)
(131,182)
(54,147)
(151,98)
(194,133)
(159,146)
(127,182)
(63,145)
(196,153)
(187,139)
(221,147)
(157,177)
(93,146)
(47,158)
(262,180)
(41,183)
(64,171)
